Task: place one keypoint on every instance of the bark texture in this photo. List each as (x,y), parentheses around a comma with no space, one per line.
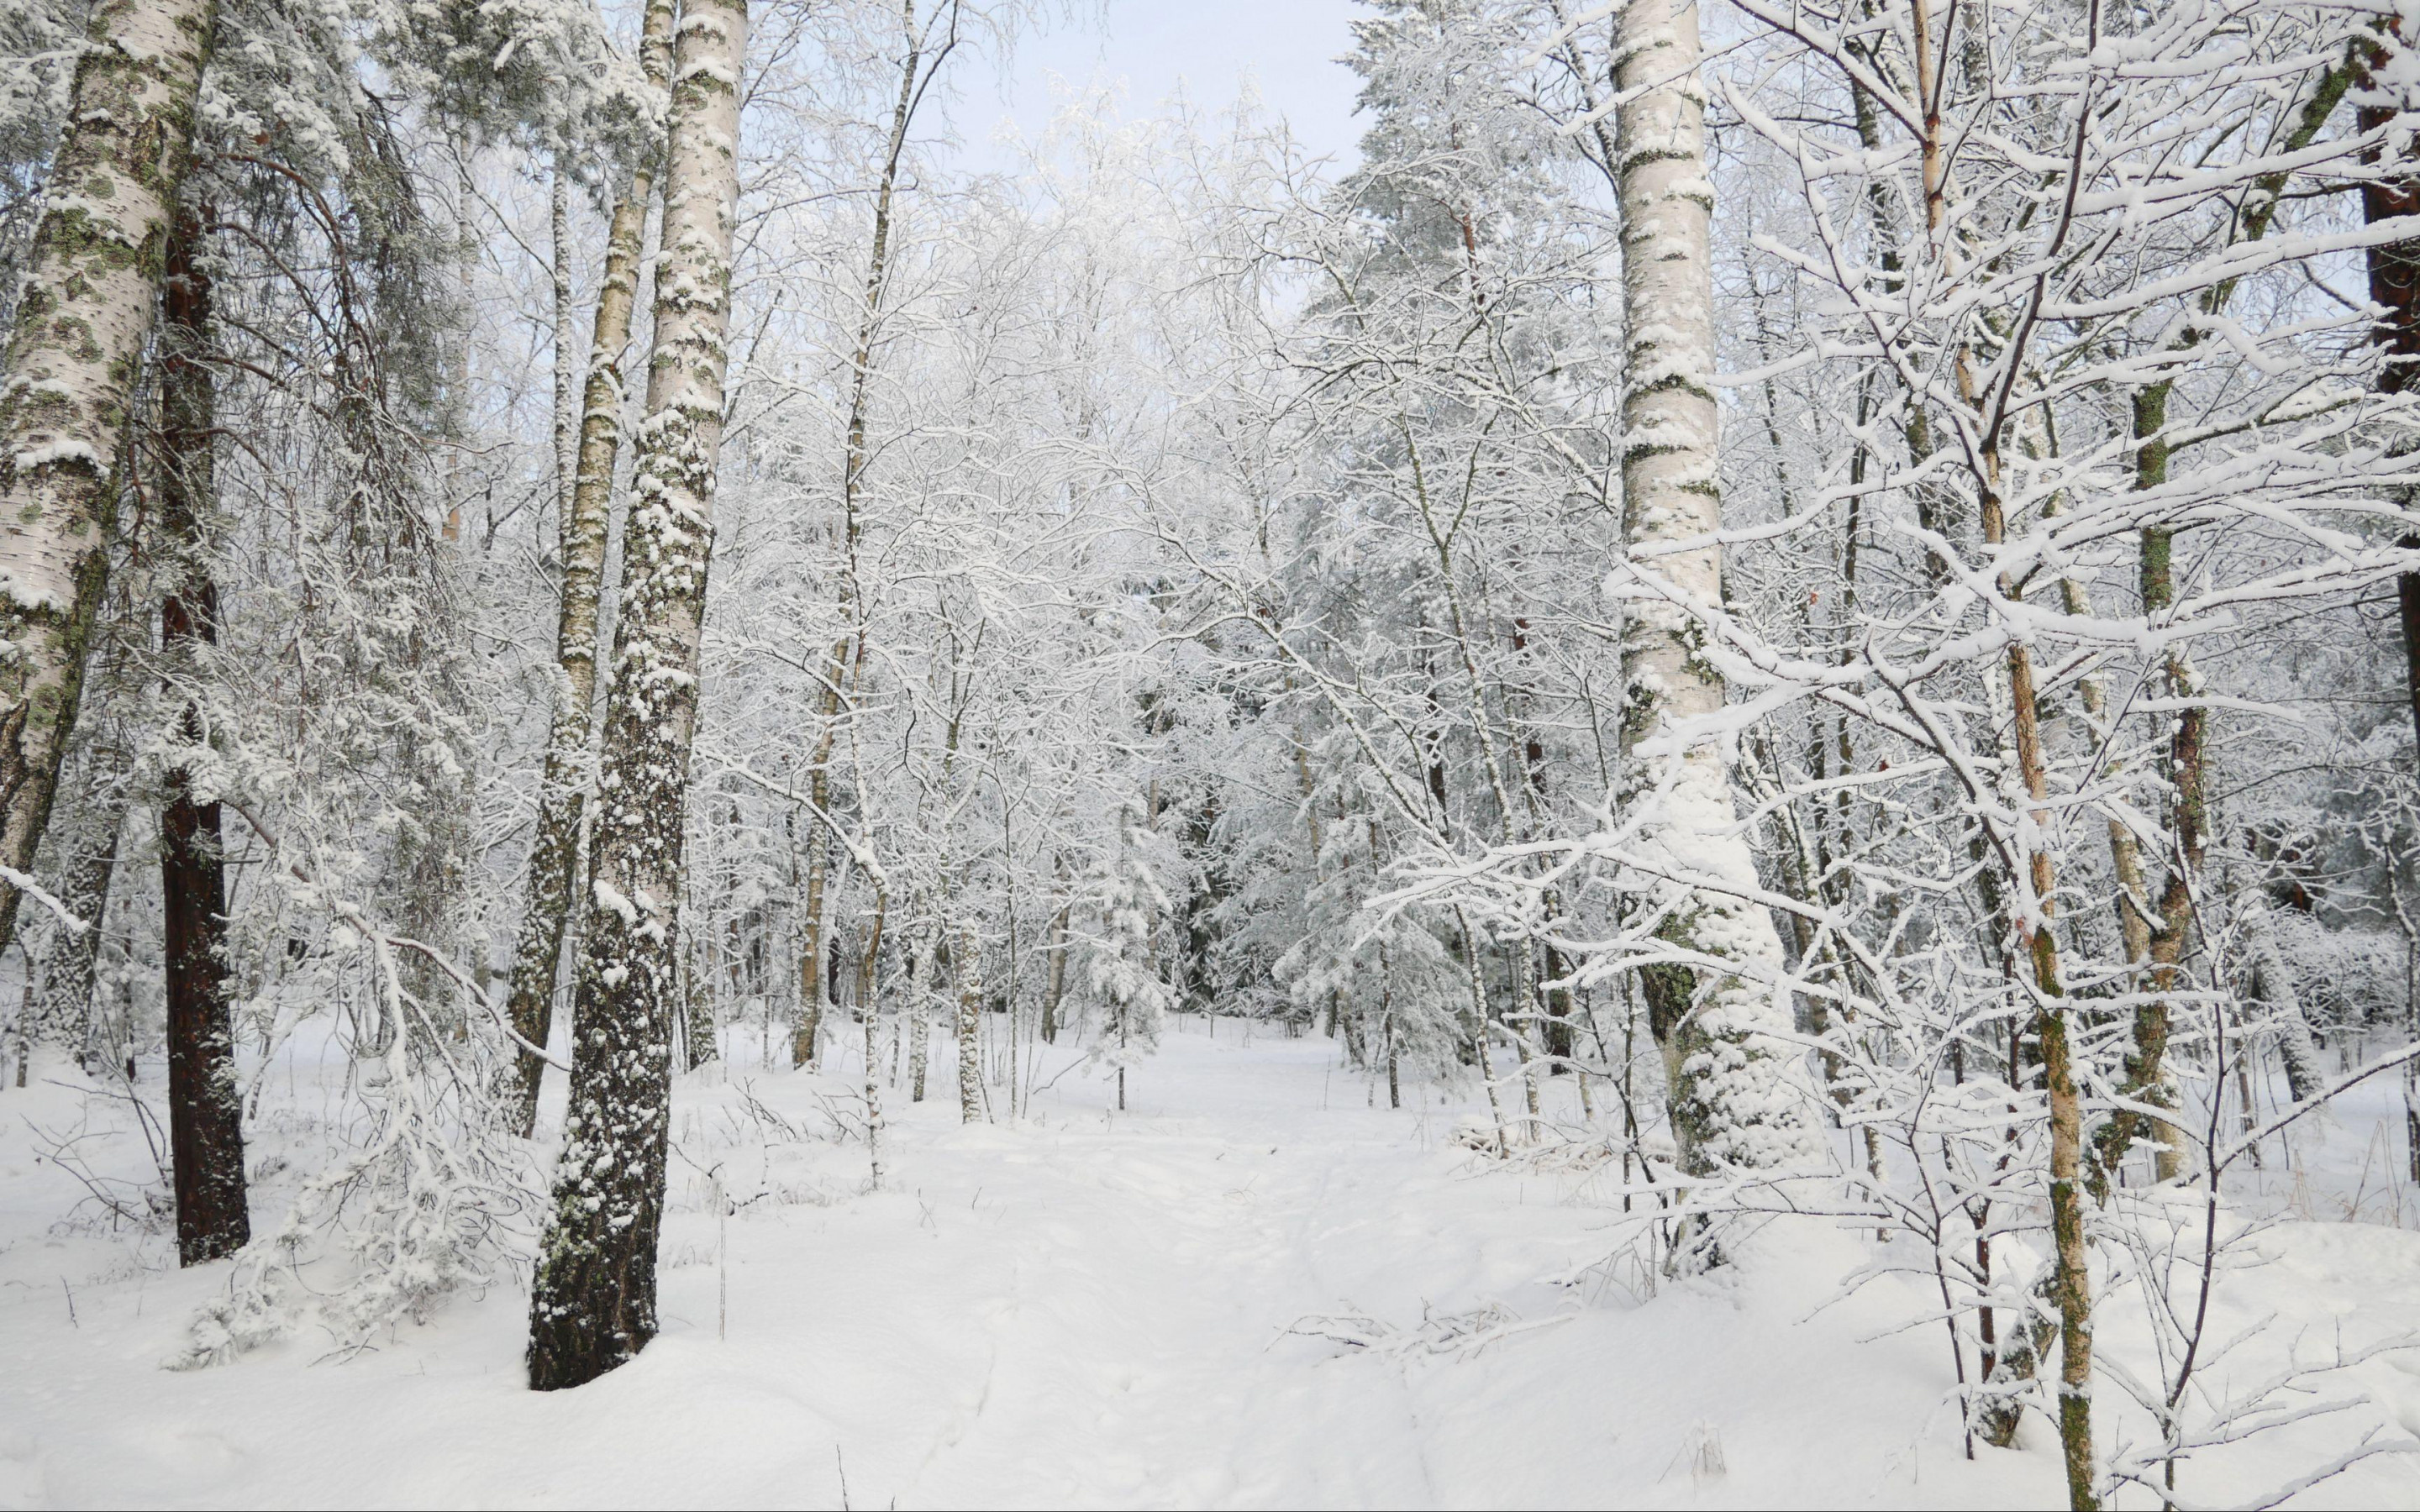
(546,916)
(1056,992)
(594,1305)
(813,976)
(59,1011)
(966,961)
(1733,1105)
(2394,288)
(97,258)
(205,1096)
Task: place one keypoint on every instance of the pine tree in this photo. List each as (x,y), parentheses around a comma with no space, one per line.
(1122,977)
(205,1107)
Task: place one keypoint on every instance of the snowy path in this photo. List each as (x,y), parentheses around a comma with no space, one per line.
(1130,1282)
(1085,1308)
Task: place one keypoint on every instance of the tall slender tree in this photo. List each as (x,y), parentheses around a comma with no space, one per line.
(83,321)
(1728,1082)
(594,1302)
(927,37)
(546,914)
(204,1104)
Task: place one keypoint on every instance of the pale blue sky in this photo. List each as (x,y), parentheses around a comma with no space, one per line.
(1287,47)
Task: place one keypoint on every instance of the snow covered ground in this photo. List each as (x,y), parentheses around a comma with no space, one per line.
(1253,1290)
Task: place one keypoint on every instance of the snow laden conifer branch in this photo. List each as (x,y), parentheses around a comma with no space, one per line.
(1122,982)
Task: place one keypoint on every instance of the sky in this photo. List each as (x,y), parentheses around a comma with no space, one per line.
(1209,47)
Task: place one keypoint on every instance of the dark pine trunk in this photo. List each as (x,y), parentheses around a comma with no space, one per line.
(204,1104)
(2395,287)
(2408,588)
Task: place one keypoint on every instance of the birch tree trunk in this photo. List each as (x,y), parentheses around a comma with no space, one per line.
(2272,982)
(813,978)
(1727,1085)
(849,651)
(546,916)
(85,313)
(869,965)
(566,397)
(205,1096)
(1056,992)
(594,1305)
(968,961)
(2033,872)
(59,1011)
(924,959)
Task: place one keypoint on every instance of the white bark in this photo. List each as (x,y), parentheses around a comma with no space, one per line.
(587,482)
(82,325)
(2273,982)
(595,1303)
(1732,1092)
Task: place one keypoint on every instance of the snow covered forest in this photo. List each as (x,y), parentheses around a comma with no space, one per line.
(1700,786)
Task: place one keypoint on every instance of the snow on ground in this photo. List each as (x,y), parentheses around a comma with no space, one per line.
(1094,1308)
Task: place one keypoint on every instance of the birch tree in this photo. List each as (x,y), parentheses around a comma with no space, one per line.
(1712,1008)
(554,855)
(593,1304)
(92,287)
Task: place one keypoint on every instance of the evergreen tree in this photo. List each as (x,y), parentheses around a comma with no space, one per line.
(1122,979)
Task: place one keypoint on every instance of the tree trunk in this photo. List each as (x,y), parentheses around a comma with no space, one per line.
(2074,1283)
(205,1101)
(919,1025)
(567,392)
(58,1013)
(2394,288)
(968,961)
(83,319)
(869,962)
(2408,592)
(2161,937)
(2033,876)
(697,1005)
(1386,1026)
(812,975)
(546,916)
(2272,982)
(1730,1104)
(594,1305)
(2071,1281)
(1056,990)
(849,650)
